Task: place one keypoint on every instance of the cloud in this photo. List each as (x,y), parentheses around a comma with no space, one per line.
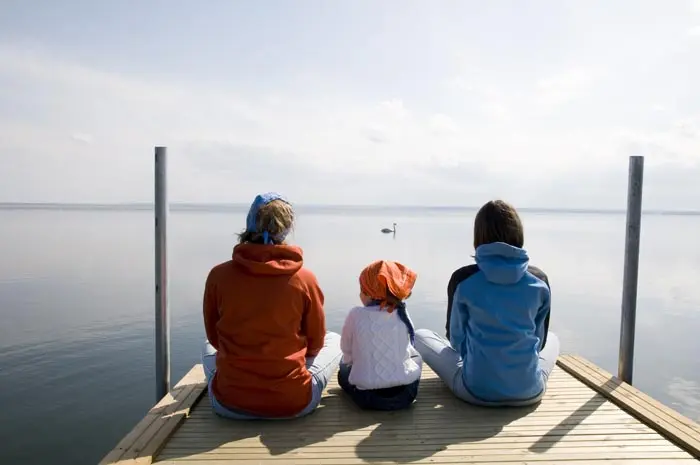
(496,110)
(376,135)
(443,124)
(82,137)
(483,98)
(694,31)
(563,87)
(393,109)
(677,144)
(73,131)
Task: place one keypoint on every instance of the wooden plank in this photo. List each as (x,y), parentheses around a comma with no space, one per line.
(432,414)
(596,403)
(144,441)
(426,435)
(462,423)
(408,454)
(189,442)
(574,424)
(631,457)
(174,397)
(675,427)
(640,396)
(145,449)
(577,461)
(427,376)
(658,444)
(440,414)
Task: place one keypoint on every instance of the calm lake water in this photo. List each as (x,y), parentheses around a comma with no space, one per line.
(76,304)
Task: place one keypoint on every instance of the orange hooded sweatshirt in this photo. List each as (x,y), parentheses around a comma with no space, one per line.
(263,312)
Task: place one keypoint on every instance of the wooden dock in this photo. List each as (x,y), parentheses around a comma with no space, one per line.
(587,417)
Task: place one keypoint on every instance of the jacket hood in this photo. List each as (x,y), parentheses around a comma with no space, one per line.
(260,259)
(502,263)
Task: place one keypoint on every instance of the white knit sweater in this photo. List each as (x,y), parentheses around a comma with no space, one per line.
(376,343)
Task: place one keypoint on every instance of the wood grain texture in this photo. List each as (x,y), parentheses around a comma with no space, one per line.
(146,439)
(574,424)
(670,424)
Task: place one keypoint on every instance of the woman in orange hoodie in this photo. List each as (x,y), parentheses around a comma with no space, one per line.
(268,354)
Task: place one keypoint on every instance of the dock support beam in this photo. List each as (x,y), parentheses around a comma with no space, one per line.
(161,243)
(631,271)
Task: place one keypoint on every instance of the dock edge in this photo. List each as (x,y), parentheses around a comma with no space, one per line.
(678,429)
(143,443)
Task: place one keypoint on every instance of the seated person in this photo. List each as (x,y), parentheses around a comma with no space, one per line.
(268,354)
(500,350)
(380,369)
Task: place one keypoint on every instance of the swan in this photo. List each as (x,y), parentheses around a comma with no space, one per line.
(387,230)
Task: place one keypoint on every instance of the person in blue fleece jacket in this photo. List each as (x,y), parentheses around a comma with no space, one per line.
(498,351)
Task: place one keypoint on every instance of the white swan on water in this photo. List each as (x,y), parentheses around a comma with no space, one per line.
(387,230)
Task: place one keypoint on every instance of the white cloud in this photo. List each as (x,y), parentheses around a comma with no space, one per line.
(443,124)
(460,83)
(563,87)
(694,31)
(496,110)
(687,128)
(679,144)
(82,137)
(83,133)
(376,134)
(394,109)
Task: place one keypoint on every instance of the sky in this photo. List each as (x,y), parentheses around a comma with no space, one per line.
(356,102)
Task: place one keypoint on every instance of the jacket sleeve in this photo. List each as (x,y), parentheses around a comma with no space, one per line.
(450,301)
(542,319)
(455,280)
(542,316)
(458,324)
(211,311)
(313,323)
(346,337)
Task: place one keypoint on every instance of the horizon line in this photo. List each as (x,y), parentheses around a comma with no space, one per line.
(195,206)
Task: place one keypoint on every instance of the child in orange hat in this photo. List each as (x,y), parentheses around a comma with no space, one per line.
(380,369)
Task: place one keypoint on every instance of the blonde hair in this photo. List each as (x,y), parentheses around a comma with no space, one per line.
(276,217)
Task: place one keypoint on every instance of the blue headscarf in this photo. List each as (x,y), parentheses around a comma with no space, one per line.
(251,221)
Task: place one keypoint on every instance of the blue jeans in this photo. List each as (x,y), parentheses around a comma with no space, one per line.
(393,398)
(446,362)
(321,367)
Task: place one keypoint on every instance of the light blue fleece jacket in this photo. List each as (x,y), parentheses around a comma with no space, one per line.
(497,325)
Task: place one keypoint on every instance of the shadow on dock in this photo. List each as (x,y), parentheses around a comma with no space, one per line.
(403,436)
(549,439)
(586,415)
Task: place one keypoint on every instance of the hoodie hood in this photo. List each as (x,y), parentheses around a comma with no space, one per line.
(502,263)
(260,259)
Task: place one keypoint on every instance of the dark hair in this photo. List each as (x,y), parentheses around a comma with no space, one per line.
(277,217)
(391,299)
(497,221)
